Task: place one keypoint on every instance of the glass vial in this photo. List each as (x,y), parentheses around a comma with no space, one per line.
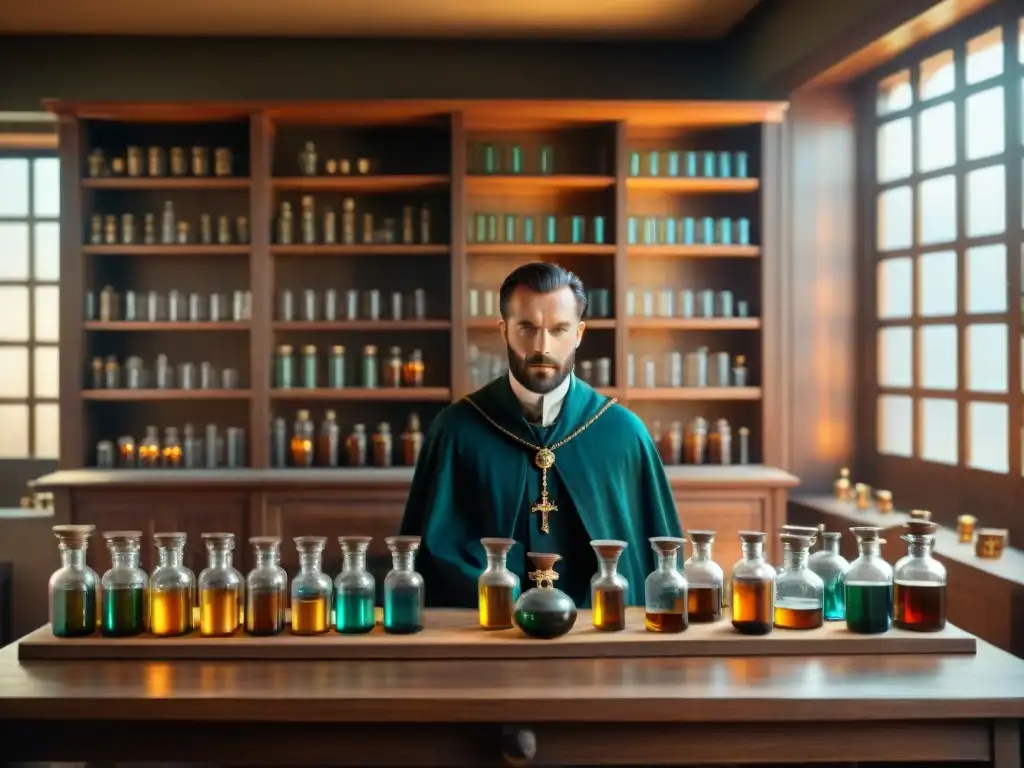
(665,589)
(753,587)
(172,588)
(220,588)
(72,587)
(265,589)
(124,586)
(403,588)
(799,592)
(868,585)
(704,578)
(354,589)
(919,580)
(830,566)
(497,587)
(311,588)
(328,449)
(302,440)
(608,588)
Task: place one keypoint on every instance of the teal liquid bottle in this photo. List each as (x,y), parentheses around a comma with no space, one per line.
(72,587)
(124,587)
(403,588)
(830,566)
(868,585)
(354,589)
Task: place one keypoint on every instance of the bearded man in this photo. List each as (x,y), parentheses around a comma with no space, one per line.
(537,456)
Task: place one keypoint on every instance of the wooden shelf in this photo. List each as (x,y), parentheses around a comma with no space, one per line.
(125,325)
(378,395)
(693,323)
(662,394)
(360,250)
(167,183)
(157,395)
(497,184)
(166,250)
(363,325)
(350,183)
(533,249)
(486,323)
(697,251)
(691,185)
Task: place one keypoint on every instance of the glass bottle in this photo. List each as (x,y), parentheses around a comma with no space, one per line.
(403,588)
(544,611)
(124,586)
(302,440)
(665,588)
(72,587)
(608,588)
(868,585)
(704,578)
(841,487)
(220,588)
(311,588)
(413,370)
(171,452)
(370,366)
(497,587)
(830,566)
(172,588)
(330,440)
(799,592)
(149,449)
(355,589)
(265,588)
(382,445)
(355,446)
(392,369)
(753,587)
(919,592)
(412,441)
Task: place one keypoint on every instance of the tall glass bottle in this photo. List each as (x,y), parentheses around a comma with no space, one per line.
(355,590)
(704,578)
(124,586)
(403,588)
(830,566)
(868,585)
(799,592)
(72,587)
(665,588)
(266,586)
(172,588)
(311,588)
(220,588)
(497,587)
(544,612)
(919,593)
(608,587)
(753,588)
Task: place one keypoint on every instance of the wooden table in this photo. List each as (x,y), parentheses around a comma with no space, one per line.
(674,711)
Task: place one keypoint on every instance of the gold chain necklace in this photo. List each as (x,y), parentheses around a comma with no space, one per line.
(544,457)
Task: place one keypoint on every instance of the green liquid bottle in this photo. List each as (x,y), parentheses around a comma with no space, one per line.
(124,587)
(830,566)
(354,589)
(403,588)
(72,587)
(868,585)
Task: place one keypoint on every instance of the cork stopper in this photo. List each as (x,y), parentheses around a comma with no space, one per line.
(302,415)
(330,414)
(309,349)
(414,422)
(800,530)
(354,543)
(73,534)
(221,540)
(701,537)
(497,546)
(867,533)
(403,543)
(920,514)
(543,561)
(122,535)
(831,535)
(752,537)
(172,539)
(920,527)
(666,545)
(797,541)
(608,548)
(265,541)
(303,540)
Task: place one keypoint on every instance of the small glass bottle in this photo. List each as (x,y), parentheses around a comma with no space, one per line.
(311,588)
(355,589)
(412,441)
(393,368)
(172,588)
(544,612)
(124,586)
(265,589)
(497,587)
(413,370)
(841,487)
(919,593)
(220,588)
(665,589)
(302,440)
(171,451)
(329,441)
(704,578)
(382,445)
(149,449)
(284,367)
(370,366)
(753,587)
(609,589)
(799,592)
(403,588)
(72,588)
(355,446)
(830,566)
(868,585)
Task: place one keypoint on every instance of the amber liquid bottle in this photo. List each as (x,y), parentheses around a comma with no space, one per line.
(497,587)
(329,447)
(220,588)
(265,589)
(355,446)
(919,591)
(665,589)
(171,588)
(311,588)
(799,592)
(412,441)
(704,578)
(753,588)
(608,588)
(302,440)
(414,370)
(382,446)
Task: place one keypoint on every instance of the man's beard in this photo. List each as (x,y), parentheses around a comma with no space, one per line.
(540,383)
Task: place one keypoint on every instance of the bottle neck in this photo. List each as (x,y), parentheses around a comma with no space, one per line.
(794,558)
(667,561)
(753,550)
(124,559)
(495,561)
(701,552)
(402,561)
(310,562)
(608,566)
(353,561)
(170,556)
(72,557)
(869,548)
(831,546)
(220,558)
(267,558)
(920,548)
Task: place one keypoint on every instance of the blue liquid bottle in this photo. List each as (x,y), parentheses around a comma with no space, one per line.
(354,589)
(830,566)
(403,588)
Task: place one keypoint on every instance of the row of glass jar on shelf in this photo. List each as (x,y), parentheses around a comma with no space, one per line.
(706,230)
(306,447)
(536,229)
(392,372)
(113,230)
(683,303)
(365,228)
(358,305)
(158,162)
(699,368)
(484,302)
(174,306)
(110,374)
(699,443)
(212,451)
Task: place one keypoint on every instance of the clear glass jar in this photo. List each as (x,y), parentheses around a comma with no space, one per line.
(311,588)
(220,588)
(608,588)
(665,588)
(149,449)
(704,578)
(830,566)
(497,587)
(172,588)
(124,586)
(799,592)
(919,592)
(355,590)
(544,612)
(753,587)
(266,587)
(72,588)
(403,588)
(868,585)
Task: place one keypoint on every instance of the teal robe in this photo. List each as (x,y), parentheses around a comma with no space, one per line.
(473,482)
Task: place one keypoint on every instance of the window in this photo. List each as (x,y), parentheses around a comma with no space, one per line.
(29,304)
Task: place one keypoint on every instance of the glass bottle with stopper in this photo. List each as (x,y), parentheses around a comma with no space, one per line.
(220,588)
(830,565)
(311,588)
(919,591)
(868,585)
(266,587)
(842,485)
(801,530)
(172,588)
(799,592)
(497,587)
(544,611)
(608,588)
(753,587)
(665,588)
(355,589)
(72,587)
(704,578)
(403,588)
(124,586)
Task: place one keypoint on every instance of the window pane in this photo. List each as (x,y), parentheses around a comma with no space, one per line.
(895,150)
(14,435)
(938,430)
(46,189)
(987,357)
(986,201)
(988,437)
(895,219)
(47,313)
(13,373)
(47,431)
(895,357)
(47,251)
(936,203)
(936,137)
(13,250)
(895,425)
(46,382)
(894,93)
(986,279)
(895,288)
(936,284)
(13,313)
(938,356)
(1020,41)
(937,75)
(985,56)
(13,187)
(986,134)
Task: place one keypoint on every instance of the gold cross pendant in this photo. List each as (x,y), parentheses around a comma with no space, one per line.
(544,507)
(545,459)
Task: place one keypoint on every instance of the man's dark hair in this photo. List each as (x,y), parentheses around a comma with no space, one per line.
(541,277)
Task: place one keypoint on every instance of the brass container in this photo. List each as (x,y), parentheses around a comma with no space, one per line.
(222,161)
(920,514)
(842,485)
(883,501)
(991,543)
(363,165)
(179,166)
(331,167)
(344,166)
(135,161)
(863,492)
(965,528)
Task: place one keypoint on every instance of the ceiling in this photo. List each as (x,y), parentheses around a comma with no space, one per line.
(564,19)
